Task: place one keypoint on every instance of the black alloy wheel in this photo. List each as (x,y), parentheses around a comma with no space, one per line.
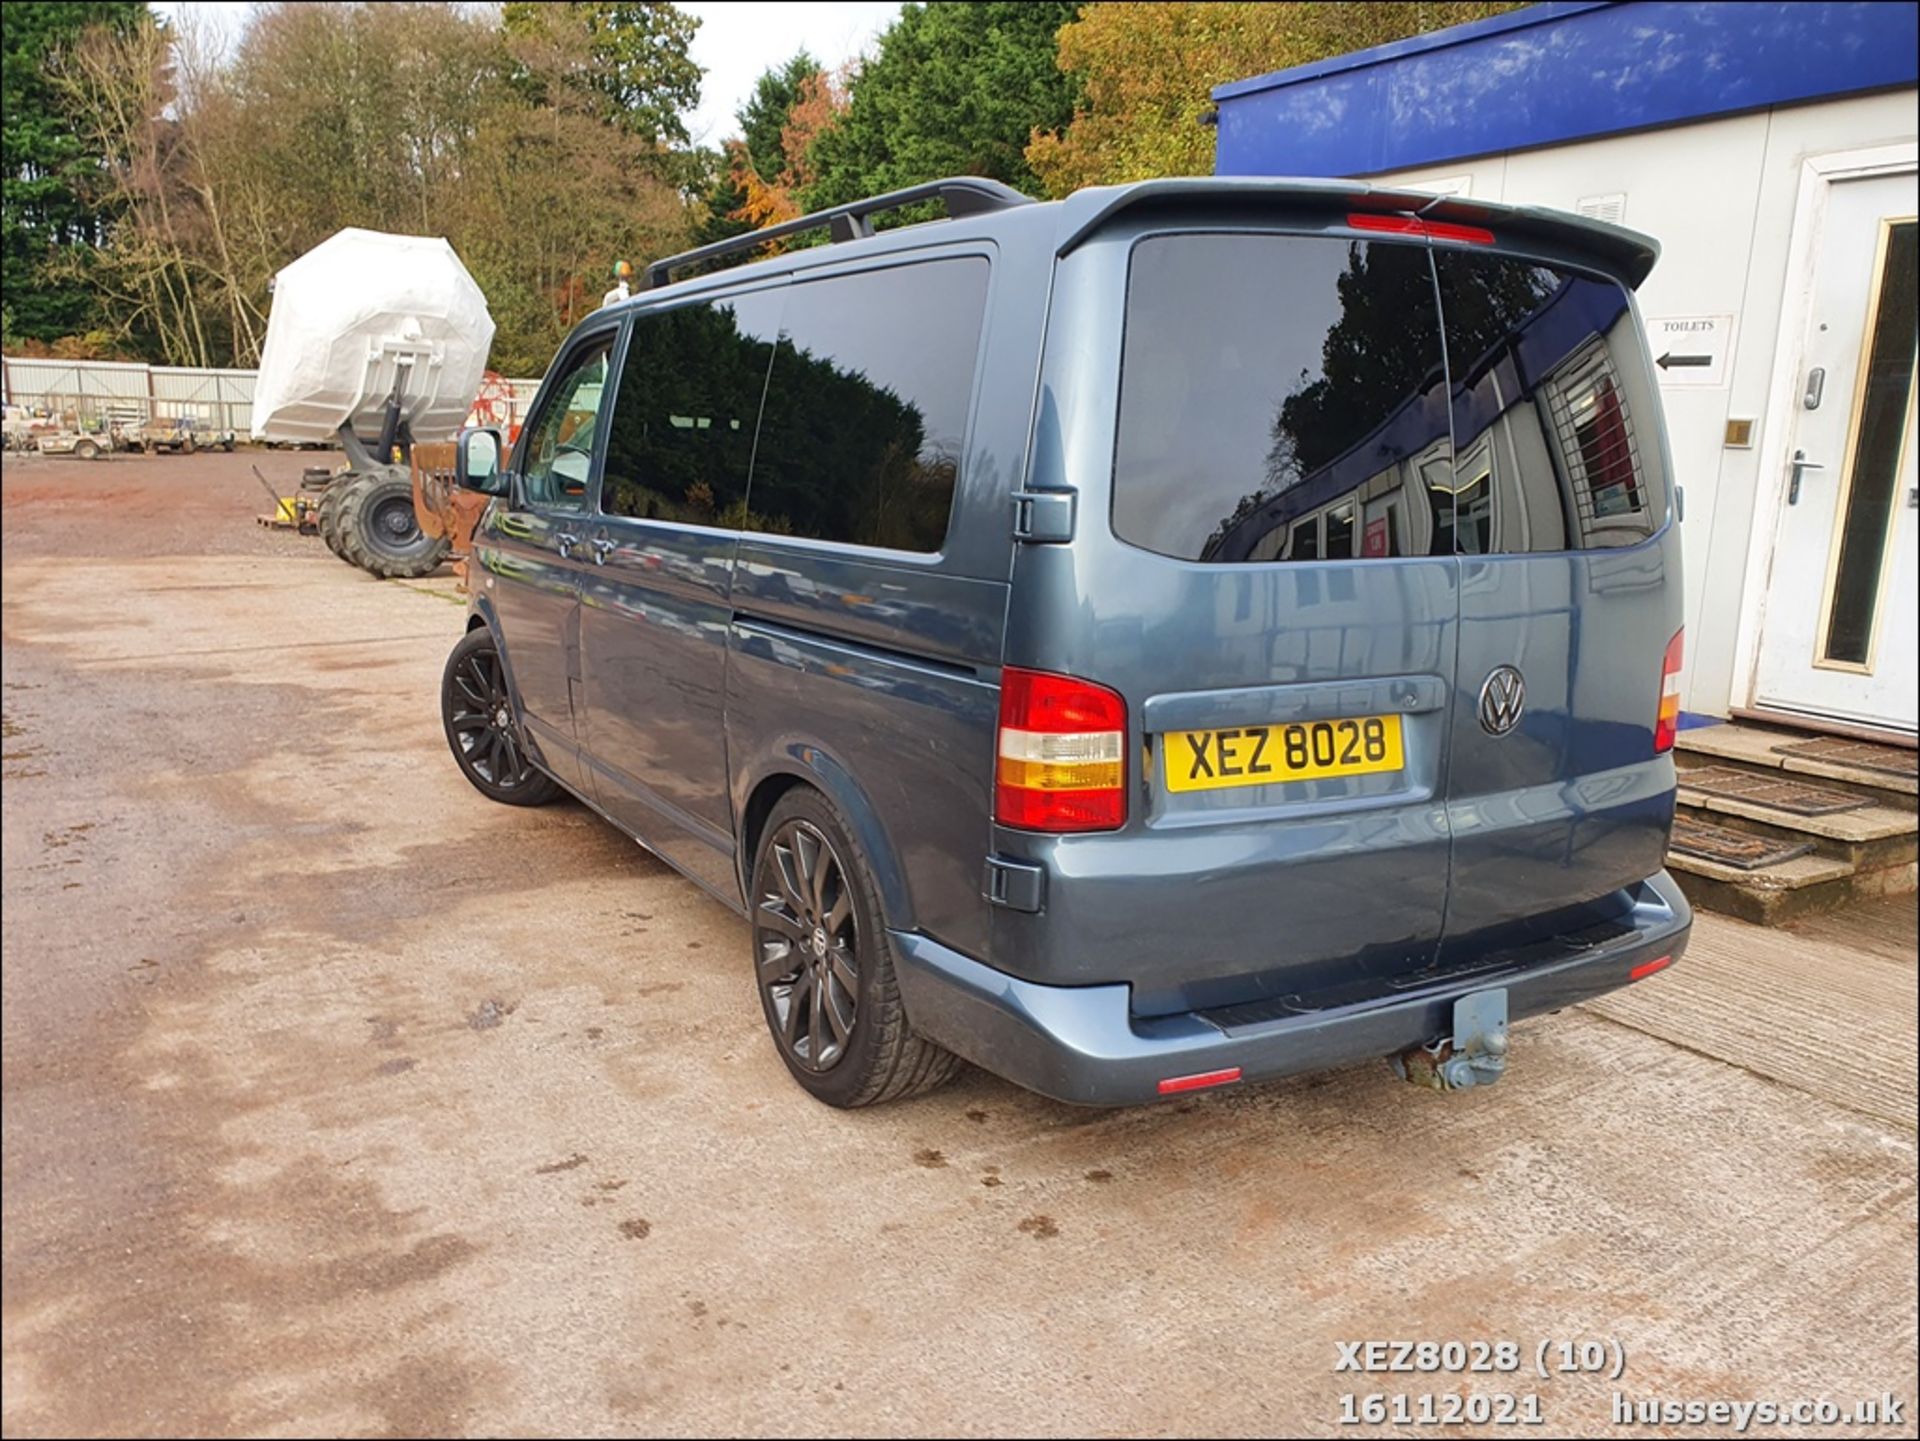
(824,963)
(806,943)
(478,714)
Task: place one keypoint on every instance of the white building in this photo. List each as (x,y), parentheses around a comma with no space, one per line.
(1770,148)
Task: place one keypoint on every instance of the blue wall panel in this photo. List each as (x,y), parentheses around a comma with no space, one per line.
(1554,73)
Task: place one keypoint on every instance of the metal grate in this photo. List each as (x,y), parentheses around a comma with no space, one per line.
(1862,755)
(1798,798)
(1742,850)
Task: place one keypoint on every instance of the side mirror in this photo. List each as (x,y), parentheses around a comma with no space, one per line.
(478,461)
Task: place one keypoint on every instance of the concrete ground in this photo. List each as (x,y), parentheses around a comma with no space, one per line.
(337,1100)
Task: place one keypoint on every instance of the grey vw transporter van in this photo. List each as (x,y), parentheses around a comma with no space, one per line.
(1184,634)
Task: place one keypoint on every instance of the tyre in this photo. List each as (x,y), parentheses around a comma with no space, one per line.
(227,446)
(187,446)
(478,716)
(87,450)
(824,966)
(315,478)
(379,532)
(330,513)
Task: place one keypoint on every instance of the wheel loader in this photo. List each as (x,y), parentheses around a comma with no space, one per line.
(379,343)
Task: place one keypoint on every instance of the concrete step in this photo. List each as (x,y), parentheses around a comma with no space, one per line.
(1870,837)
(1786,890)
(1863,840)
(1758,747)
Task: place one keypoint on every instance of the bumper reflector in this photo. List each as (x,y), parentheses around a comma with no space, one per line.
(1199,1082)
(1647,968)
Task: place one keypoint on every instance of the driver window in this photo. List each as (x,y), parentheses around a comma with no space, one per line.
(560,450)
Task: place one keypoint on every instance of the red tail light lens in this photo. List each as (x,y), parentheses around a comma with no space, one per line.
(1666,723)
(1062,754)
(1414,225)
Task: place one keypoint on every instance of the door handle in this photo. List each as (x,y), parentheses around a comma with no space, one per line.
(564,543)
(1801,465)
(603,547)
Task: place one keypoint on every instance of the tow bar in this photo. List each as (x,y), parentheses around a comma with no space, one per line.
(1474,1055)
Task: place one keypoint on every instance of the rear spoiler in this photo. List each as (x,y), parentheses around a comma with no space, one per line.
(1628,251)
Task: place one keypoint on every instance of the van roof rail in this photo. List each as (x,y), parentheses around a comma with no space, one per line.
(963,194)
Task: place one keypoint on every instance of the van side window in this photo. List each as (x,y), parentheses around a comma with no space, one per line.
(681,436)
(1552,400)
(866,411)
(559,462)
(1269,383)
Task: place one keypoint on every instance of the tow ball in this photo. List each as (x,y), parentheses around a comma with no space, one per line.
(1474,1055)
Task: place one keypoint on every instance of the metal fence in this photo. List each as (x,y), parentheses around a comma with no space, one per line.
(95,393)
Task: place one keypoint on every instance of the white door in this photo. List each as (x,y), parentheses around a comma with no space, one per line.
(1838,638)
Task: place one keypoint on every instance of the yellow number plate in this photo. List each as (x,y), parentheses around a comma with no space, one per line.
(1265,755)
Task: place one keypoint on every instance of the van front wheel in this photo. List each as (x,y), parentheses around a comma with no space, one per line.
(824,966)
(477,712)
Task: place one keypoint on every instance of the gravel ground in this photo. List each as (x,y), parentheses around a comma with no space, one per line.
(337,1100)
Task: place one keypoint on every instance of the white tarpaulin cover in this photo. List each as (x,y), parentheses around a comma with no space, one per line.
(355,316)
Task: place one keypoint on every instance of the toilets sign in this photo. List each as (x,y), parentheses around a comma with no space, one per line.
(1690,351)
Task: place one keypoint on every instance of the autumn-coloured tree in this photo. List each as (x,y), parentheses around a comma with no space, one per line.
(819,100)
(1145,72)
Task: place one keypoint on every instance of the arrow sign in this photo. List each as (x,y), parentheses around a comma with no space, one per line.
(1693,350)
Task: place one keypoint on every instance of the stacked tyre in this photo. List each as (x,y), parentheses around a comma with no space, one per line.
(367,519)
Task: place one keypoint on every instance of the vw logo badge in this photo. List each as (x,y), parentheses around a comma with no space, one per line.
(1503,695)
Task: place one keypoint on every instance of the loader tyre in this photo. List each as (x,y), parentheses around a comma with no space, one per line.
(380,533)
(330,511)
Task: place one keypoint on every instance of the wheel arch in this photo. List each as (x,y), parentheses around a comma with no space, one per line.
(481,613)
(805,764)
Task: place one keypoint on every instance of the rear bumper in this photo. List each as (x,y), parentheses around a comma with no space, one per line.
(1081,1044)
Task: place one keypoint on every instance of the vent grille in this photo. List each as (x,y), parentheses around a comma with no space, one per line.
(1610,208)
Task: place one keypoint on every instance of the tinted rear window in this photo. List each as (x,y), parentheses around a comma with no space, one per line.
(866,410)
(1254,367)
(1285,398)
(1555,432)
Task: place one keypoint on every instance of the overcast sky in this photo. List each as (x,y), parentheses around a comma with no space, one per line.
(736,41)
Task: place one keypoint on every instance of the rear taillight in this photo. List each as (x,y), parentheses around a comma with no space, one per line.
(1666,723)
(1062,754)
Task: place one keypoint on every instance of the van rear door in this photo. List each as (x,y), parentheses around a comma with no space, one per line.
(1570,595)
(1261,564)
